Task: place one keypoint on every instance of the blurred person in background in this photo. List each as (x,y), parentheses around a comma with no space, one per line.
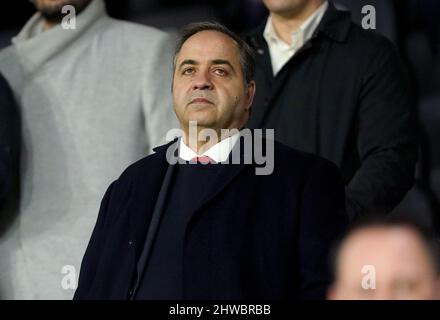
(9,138)
(387,259)
(93,97)
(329,87)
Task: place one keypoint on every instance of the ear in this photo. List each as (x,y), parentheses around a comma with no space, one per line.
(250,94)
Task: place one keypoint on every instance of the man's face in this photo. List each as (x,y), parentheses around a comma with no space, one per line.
(208,84)
(51,9)
(393,260)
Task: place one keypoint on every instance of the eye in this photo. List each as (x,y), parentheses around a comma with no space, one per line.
(220,72)
(188,71)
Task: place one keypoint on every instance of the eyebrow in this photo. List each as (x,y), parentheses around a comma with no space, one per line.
(187,61)
(215,61)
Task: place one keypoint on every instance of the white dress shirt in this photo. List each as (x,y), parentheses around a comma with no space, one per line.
(280,51)
(218,152)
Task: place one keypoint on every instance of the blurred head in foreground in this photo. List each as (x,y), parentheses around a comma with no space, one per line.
(386,259)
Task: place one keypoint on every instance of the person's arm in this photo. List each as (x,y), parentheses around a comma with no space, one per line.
(387,136)
(9,137)
(322,222)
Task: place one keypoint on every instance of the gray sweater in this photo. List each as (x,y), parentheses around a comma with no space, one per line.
(92,101)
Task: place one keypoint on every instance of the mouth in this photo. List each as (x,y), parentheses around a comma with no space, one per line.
(200,101)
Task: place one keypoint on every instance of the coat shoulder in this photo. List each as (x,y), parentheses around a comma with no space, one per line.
(148,165)
(369,41)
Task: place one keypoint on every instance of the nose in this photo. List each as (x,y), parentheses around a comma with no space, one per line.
(202,81)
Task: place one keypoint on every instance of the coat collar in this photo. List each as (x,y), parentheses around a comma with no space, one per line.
(335,25)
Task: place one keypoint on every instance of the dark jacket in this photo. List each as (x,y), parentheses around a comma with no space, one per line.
(252,236)
(344,96)
(9,137)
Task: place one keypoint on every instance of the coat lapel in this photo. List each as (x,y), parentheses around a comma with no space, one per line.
(226,174)
(148,196)
(277,83)
(153,227)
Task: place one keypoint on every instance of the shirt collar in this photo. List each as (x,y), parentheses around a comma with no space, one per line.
(307,28)
(218,152)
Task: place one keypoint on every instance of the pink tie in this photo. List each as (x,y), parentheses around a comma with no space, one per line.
(203,160)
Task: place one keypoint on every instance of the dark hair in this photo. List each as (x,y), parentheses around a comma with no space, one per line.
(247,55)
(426,235)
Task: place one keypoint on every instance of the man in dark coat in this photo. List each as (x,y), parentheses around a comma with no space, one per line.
(329,87)
(198,219)
(9,137)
